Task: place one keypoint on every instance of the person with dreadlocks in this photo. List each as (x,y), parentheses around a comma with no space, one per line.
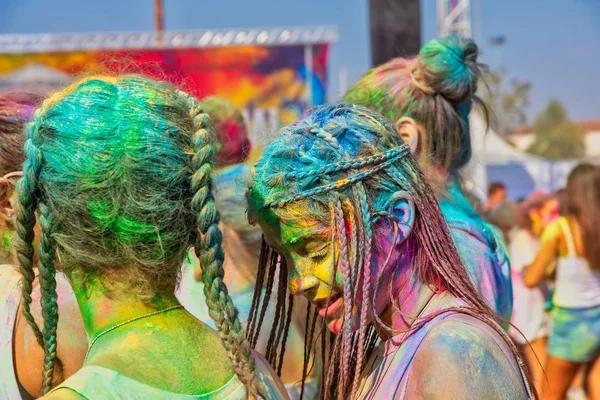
(352,225)
(20,355)
(241,241)
(118,216)
(429,98)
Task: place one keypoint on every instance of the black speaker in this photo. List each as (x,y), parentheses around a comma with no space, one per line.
(395,29)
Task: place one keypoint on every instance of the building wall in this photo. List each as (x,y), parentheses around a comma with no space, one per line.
(592,143)
(522,141)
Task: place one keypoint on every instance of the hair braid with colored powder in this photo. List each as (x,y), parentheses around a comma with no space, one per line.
(210,252)
(361,133)
(49,295)
(24,221)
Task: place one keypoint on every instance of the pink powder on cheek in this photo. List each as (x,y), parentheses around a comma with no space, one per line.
(337,326)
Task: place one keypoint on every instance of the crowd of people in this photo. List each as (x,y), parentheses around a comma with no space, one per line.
(145,256)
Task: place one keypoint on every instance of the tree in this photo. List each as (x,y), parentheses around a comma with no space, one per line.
(557,137)
(508,102)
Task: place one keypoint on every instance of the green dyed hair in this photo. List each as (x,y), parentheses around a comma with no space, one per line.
(118,169)
(437,89)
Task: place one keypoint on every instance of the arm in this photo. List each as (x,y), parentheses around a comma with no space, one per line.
(536,271)
(459,360)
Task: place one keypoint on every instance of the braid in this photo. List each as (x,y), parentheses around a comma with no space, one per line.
(270,279)
(260,278)
(286,330)
(49,296)
(348,292)
(209,251)
(271,352)
(366,256)
(333,186)
(24,222)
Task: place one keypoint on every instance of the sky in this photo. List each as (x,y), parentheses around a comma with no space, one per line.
(553,46)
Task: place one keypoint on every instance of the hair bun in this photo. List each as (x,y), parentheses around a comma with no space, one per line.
(449,66)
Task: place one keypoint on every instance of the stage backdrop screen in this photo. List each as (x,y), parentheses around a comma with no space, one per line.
(270,78)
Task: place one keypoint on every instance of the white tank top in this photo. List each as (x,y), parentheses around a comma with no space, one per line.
(577,284)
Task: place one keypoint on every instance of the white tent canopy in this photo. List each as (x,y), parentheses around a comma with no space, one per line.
(491,152)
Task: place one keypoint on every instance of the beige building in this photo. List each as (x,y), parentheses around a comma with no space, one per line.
(522,137)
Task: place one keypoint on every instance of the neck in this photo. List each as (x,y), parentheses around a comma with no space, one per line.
(101,310)
(412,299)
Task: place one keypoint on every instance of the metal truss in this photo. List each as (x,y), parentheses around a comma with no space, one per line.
(40,43)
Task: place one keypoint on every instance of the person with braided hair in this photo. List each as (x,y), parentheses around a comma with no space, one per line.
(351,224)
(118,170)
(21,355)
(429,99)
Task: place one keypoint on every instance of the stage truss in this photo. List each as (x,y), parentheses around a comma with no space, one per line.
(40,43)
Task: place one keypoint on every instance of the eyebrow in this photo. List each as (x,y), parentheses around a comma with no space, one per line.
(299,238)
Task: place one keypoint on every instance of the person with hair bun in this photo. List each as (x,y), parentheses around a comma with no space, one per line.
(429,98)
(351,225)
(117,216)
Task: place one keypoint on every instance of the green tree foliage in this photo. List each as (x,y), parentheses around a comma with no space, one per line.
(508,101)
(557,137)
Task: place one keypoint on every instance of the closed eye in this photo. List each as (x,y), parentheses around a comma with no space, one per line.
(316,250)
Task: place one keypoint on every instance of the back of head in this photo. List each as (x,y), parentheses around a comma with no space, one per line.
(505,217)
(495,187)
(233,145)
(582,202)
(118,170)
(436,89)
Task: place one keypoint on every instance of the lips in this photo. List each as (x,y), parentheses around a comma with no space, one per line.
(335,304)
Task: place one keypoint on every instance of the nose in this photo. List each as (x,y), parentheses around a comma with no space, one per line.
(299,283)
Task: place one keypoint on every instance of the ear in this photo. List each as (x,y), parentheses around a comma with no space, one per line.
(409,131)
(402,209)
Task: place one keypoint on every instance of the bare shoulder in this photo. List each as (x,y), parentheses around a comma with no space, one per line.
(63,394)
(464,358)
(553,231)
(71,338)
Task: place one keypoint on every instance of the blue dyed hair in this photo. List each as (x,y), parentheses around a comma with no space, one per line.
(342,164)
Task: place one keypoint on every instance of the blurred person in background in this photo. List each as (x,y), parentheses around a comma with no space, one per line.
(496,195)
(530,315)
(572,242)
(429,98)
(505,217)
(241,241)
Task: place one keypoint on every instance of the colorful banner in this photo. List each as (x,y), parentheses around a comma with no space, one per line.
(253,77)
